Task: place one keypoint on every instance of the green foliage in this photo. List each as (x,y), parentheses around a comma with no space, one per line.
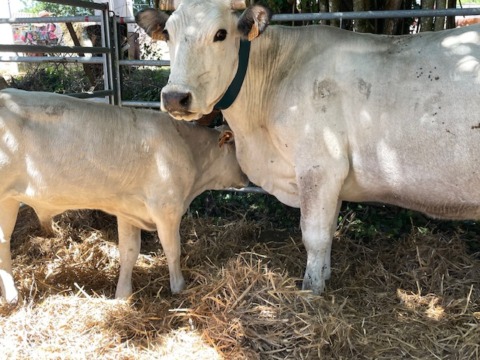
(34,7)
(250,206)
(142,4)
(367,222)
(143,84)
(59,78)
(280,6)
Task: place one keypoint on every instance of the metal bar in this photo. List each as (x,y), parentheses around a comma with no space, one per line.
(93,94)
(375,14)
(148,104)
(108,68)
(79,3)
(52,49)
(116,65)
(351,15)
(59,59)
(249,189)
(145,62)
(60,19)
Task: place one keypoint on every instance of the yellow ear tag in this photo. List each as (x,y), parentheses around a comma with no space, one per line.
(157,35)
(253,32)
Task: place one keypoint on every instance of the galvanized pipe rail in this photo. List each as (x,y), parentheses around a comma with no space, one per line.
(54,49)
(50,19)
(52,59)
(386,14)
(79,3)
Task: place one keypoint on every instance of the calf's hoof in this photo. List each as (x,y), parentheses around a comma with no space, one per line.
(177,286)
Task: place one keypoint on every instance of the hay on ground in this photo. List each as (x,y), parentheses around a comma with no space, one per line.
(417,296)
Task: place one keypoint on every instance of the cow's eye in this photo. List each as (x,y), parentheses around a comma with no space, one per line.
(166,37)
(220,35)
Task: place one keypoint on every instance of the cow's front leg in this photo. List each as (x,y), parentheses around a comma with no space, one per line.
(129,241)
(328,269)
(168,227)
(319,207)
(8,217)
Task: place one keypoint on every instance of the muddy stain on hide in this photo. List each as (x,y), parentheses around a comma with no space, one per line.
(323,89)
(364,88)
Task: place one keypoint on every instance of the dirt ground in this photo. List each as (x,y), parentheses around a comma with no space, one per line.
(410,295)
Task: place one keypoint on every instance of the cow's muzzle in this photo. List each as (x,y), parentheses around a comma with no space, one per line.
(177,102)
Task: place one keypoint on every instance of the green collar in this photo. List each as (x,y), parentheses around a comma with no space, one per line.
(231,94)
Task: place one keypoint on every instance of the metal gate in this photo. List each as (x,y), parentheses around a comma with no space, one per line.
(107,50)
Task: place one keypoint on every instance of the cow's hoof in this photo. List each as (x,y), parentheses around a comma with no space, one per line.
(317,286)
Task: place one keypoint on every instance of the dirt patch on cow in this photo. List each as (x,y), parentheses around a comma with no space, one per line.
(414,296)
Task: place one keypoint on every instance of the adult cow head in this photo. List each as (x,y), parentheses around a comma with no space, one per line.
(206,39)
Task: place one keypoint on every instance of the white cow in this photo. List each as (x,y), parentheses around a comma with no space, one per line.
(59,153)
(325,115)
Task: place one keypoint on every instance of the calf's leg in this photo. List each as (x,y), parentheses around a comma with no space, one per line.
(129,241)
(8,217)
(46,221)
(168,227)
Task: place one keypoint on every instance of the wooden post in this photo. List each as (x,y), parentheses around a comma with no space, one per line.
(166,5)
(86,67)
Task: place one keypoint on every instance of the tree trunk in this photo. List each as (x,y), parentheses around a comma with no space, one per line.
(391,24)
(334,6)
(323,8)
(440,20)
(452,4)
(361,25)
(427,22)
(165,4)
(86,67)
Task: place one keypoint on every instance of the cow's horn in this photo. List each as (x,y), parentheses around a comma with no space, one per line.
(167,5)
(238,4)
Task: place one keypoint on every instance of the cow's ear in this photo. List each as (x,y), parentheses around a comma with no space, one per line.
(153,22)
(254,21)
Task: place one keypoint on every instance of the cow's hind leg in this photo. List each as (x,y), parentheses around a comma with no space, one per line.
(8,217)
(129,241)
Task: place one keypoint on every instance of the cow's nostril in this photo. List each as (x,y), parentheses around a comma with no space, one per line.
(175,101)
(186,100)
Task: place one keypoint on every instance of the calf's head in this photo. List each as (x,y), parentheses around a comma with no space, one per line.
(204,39)
(227,165)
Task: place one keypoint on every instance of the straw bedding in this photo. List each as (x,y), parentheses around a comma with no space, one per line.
(415,295)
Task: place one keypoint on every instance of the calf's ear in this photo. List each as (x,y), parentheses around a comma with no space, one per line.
(226,136)
(153,22)
(254,21)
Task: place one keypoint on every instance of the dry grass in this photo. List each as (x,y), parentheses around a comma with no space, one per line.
(417,297)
